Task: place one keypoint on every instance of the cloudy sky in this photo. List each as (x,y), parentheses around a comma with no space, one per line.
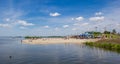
(57,17)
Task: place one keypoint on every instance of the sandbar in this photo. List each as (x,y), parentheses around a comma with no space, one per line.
(56,41)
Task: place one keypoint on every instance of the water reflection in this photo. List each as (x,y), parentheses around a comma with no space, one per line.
(13,52)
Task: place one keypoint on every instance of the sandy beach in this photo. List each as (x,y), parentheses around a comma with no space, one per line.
(56,41)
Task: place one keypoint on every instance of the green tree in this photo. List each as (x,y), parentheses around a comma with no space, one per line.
(106,32)
(113,31)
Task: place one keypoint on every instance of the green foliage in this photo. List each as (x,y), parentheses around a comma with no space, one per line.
(107,32)
(32,37)
(35,37)
(114,31)
(55,36)
(104,45)
(93,32)
(97,33)
(113,36)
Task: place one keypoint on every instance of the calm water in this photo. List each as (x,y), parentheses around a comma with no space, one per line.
(53,53)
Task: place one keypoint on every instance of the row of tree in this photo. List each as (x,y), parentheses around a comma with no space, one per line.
(105,32)
(108,32)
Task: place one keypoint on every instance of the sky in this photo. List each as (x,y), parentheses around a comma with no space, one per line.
(57,17)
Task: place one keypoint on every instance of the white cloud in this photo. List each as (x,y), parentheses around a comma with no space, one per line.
(7,19)
(75,24)
(46,26)
(85,24)
(23,27)
(24,23)
(56,28)
(5,25)
(81,24)
(98,13)
(65,26)
(74,29)
(12,14)
(101,18)
(118,25)
(72,18)
(78,18)
(55,14)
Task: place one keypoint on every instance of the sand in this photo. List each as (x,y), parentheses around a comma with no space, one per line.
(56,41)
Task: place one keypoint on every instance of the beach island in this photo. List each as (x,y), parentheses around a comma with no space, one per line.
(78,39)
(56,41)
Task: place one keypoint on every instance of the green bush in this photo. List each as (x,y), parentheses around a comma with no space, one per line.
(108,46)
(32,37)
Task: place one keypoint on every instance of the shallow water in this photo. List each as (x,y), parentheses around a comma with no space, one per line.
(12,51)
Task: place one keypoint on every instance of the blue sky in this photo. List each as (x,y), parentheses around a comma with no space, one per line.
(57,17)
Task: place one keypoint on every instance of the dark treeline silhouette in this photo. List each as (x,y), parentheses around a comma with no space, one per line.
(36,37)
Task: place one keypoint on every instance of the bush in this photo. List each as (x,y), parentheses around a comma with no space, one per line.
(108,46)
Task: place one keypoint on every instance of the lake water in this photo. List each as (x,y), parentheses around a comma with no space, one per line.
(12,51)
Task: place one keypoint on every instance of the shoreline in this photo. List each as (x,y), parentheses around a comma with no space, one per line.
(107,44)
(57,41)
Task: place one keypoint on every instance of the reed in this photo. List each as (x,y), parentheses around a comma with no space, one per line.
(105,45)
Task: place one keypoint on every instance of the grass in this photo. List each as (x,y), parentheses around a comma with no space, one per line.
(108,44)
(113,35)
(116,41)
